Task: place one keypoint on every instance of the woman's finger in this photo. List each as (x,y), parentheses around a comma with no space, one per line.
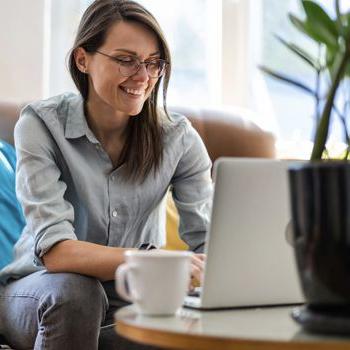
(201,256)
(197,262)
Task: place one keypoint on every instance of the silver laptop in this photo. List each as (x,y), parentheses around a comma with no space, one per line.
(249,259)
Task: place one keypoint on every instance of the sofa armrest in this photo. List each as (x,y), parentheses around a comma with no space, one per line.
(9,114)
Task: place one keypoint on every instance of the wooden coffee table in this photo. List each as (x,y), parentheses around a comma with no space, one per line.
(261,328)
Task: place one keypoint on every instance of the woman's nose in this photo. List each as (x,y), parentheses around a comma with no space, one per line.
(142,74)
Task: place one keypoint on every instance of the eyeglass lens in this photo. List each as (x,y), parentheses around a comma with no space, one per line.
(155,68)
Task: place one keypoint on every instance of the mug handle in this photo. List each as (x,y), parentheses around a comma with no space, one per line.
(121,277)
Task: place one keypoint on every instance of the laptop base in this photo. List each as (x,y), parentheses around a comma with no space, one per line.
(208,308)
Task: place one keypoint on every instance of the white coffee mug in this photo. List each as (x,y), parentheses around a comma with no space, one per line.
(157,280)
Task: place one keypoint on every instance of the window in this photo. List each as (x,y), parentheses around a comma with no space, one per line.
(189,26)
(61,20)
(291,108)
(209,41)
(192,34)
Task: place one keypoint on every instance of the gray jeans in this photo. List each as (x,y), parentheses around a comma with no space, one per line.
(60,311)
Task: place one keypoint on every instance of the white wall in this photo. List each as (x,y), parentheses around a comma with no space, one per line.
(21,50)
(62,19)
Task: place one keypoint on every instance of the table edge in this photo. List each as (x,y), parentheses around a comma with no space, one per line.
(185,341)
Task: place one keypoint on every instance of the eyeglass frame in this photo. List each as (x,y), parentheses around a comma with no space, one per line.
(146,63)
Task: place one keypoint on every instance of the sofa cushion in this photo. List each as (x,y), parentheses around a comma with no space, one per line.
(173,240)
(11,216)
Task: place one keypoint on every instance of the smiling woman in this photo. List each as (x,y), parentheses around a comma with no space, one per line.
(93,169)
(106,85)
(112,76)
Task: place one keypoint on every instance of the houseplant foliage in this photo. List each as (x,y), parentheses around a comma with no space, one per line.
(331,67)
(319,189)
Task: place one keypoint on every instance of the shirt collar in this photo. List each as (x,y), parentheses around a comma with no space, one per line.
(76,124)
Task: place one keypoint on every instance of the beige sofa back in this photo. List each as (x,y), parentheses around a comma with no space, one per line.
(225,132)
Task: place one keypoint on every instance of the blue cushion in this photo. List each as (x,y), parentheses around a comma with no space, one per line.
(11,216)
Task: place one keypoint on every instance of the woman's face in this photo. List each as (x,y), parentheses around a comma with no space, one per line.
(107,86)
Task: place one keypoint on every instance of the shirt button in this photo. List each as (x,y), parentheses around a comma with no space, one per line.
(114,213)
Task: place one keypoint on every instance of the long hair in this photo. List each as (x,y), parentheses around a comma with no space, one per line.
(143,150)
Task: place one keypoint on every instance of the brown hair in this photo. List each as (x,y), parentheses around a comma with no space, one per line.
(143,150)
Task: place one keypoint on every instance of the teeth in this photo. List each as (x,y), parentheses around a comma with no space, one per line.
(133,91)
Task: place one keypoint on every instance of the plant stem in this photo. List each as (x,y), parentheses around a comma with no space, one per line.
(317,90)
(346,105)
(323,126)
(345,127)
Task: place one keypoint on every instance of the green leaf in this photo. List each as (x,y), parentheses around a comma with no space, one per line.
(324,29)
(305,28)
(300,52)
(287,79)
(299,24)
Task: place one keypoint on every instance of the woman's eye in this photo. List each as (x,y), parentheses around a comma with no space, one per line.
(125,60)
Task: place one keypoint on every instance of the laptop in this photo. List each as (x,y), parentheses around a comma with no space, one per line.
(250,260)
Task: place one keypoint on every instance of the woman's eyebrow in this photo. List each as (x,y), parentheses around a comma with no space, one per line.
(157,53)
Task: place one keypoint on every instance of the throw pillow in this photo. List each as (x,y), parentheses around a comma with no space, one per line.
(11,216)
(173,241)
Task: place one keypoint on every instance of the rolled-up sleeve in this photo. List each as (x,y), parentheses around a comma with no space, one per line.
(193,190)
(39,187)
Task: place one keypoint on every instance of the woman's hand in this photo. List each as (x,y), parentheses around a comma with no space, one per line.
(197,270)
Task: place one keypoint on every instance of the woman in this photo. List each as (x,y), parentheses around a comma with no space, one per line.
(92,172)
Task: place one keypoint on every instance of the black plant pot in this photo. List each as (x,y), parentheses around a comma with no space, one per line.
(320,203)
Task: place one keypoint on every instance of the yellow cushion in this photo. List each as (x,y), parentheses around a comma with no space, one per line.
(174,241)
(172,227)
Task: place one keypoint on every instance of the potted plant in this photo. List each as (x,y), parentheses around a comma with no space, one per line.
(320,189)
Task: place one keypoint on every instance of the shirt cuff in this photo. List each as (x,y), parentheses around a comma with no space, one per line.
(52,236)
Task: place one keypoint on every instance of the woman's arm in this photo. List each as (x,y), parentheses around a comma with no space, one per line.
(192,190)
(84,258)
(49,215)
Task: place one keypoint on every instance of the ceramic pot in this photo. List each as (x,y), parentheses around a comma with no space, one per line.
(320,204)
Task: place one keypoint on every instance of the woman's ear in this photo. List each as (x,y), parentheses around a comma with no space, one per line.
(81,59)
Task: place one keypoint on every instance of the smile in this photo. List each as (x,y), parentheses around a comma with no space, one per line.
(134,92)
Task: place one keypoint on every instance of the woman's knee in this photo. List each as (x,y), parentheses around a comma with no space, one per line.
(66,304)
(76,295)
(72,311)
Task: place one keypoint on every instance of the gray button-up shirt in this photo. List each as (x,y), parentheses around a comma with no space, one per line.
(69,189)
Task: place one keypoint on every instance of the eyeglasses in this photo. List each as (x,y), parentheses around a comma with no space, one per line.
(130,65)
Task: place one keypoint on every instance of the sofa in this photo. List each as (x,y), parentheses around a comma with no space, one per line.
(226,132)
